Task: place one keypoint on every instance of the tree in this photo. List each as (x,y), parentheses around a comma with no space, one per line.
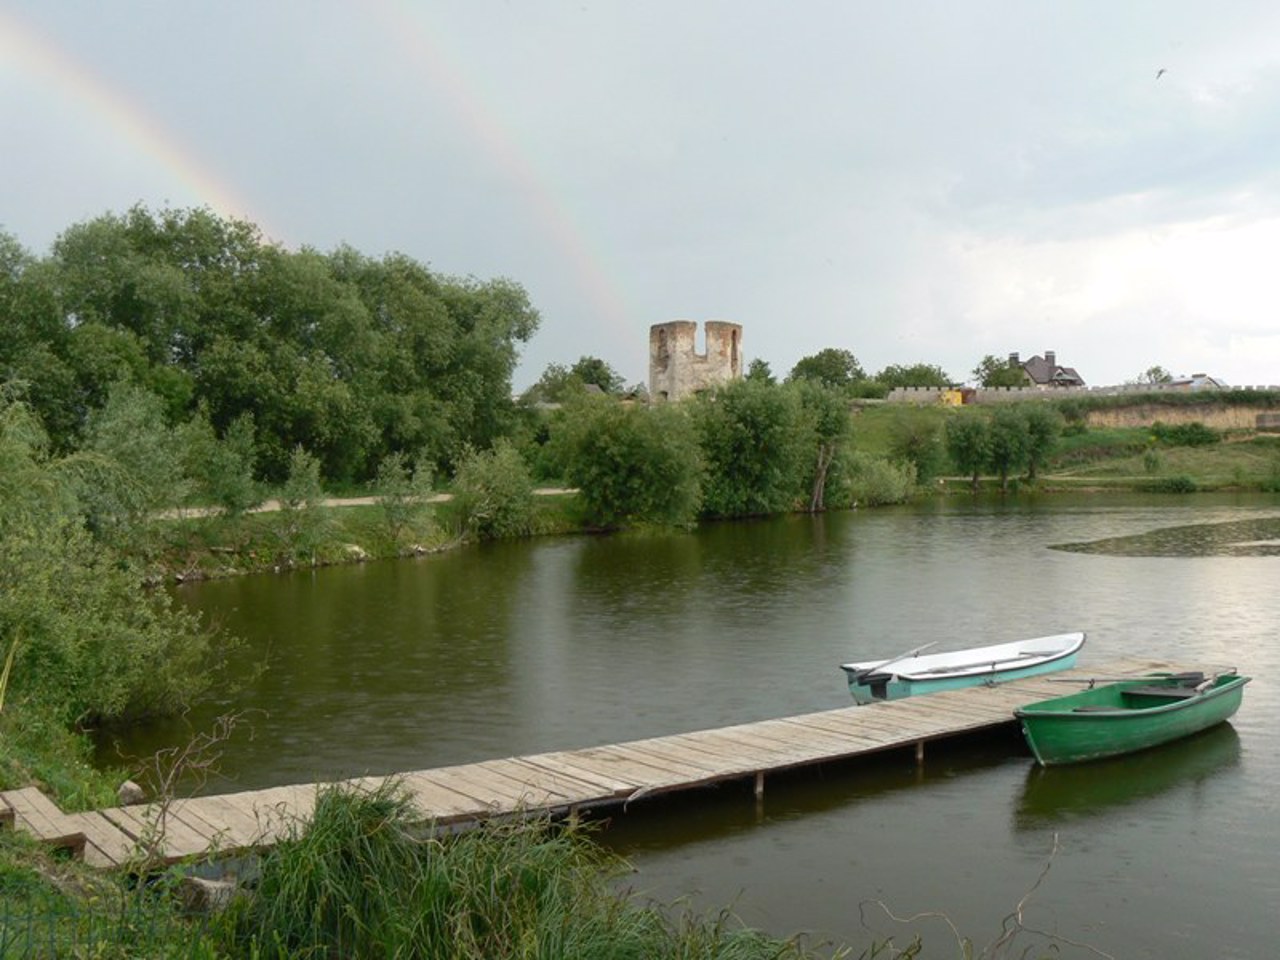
(831,366)
(402,493)
(87,640)
(969,445)
(131,465)
(631,464)
(915,375)
(301,522)
(494,493)
(991,372)
(825,421)
(1008,443)
(759,370)
(222,468)
(755,449)
(1044,426)
(1153,375)
(914,440)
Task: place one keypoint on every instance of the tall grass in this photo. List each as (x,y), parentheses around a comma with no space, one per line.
(360,881)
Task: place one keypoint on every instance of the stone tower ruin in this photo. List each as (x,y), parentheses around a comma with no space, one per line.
(676,368)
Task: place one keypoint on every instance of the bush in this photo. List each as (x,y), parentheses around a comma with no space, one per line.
(494,493)
(1194,434)
(873,481)
(1178,484)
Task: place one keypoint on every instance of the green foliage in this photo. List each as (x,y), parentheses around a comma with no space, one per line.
(631,464)
(132,467)
(1044,426)
(1155,374)
(402,494)
(350,357)
(968,442)
(875,481)
(357,882)
(222,467)
(91,643)
(1194,434)
(1176,484)
(494,497)
(755,449)
(913,375)
(916,439)
(301,523)
(1009,443)
(759,370)
(831,367)
(993,372)
(824,424)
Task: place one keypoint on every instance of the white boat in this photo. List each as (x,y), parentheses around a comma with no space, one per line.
(914,673)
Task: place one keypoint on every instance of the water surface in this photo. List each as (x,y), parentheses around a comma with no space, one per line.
(506,649)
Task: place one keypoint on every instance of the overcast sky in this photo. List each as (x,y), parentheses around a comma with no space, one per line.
(913,182)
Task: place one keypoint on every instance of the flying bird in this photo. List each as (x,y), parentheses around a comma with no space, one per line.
(1160,73)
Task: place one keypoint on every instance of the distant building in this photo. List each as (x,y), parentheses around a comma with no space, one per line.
(676,368)
(1197,381)
(1045,372)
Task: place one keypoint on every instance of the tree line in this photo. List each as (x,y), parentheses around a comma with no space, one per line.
(349,357)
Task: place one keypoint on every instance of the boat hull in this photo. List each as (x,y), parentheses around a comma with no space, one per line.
(916,675)
(1109,721)
(900,687)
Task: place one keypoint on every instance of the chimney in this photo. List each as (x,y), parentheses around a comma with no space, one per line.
(1051,359)
(1013,359)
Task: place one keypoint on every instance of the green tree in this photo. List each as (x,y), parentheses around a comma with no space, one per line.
(825,422)
(1044,427)
(969,445)
(992,372)
(301,523)
(1009,443)
(402,493)
(88,641)
(1153,375)
(831,367)
(915,375)
(222,468)
(631,464)
(914,439)
(131,466)
(495,493)
(759,370)
(756,452)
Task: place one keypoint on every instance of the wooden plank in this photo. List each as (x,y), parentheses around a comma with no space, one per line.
(106,845)
(566,763)
(585,790)
(435,801)
(858,737)
(240,826)
(36,814)
(560,788)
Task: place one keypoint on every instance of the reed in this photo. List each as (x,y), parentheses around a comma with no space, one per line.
(360,880)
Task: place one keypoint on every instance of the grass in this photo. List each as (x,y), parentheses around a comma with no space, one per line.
(364,879)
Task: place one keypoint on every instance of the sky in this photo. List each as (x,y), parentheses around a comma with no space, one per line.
(915,182)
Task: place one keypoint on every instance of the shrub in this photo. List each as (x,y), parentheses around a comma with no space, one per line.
(1194,434)
(874,480)
(494,497)
(1178,484)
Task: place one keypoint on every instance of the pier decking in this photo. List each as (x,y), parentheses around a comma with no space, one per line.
(557,783)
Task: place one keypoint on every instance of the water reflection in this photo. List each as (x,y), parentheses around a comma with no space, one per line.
(1057,796)
(1255,537)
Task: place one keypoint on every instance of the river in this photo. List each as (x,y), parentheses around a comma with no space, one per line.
(511,648)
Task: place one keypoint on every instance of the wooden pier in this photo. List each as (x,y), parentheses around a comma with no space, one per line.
(557,783)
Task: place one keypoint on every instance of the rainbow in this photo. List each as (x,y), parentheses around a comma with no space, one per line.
(36,56)
(408,24)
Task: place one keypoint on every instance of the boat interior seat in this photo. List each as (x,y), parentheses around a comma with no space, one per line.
(1095,708)
(1165,693)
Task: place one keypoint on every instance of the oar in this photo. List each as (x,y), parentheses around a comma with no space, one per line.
(857,677)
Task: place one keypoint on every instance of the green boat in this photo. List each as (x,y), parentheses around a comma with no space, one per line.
(1116,718)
